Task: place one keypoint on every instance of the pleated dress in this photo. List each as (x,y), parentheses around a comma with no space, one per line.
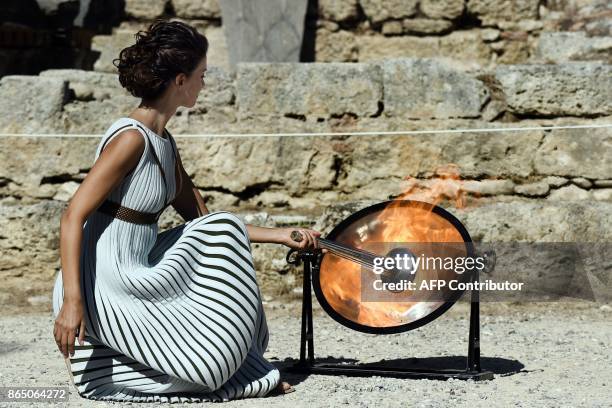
(174,316)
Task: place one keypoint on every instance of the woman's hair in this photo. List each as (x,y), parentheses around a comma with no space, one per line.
(164,50)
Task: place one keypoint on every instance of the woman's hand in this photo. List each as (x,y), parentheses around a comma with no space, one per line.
(308,238)
(69,319)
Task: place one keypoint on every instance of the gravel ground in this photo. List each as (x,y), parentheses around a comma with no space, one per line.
(549,355)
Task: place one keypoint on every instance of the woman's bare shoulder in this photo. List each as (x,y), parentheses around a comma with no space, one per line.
(128,138)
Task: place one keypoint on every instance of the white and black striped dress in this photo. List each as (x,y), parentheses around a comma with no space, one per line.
(173,316)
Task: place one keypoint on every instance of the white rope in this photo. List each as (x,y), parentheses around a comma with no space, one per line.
(373,133)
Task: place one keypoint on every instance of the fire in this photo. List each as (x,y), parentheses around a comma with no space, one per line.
(406,222)
(446,185)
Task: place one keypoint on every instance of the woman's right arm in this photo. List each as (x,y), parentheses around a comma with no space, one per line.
(118,157)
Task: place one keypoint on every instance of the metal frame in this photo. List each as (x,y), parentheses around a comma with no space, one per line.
(307,364)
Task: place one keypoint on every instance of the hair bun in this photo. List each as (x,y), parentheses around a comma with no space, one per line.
(164,50)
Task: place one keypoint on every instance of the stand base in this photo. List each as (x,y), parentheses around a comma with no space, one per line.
(360,370)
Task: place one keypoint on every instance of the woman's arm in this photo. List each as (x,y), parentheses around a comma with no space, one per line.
(189,203)
(283,236)
(115,161)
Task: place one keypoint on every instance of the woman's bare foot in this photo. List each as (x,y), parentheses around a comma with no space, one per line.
(283,387)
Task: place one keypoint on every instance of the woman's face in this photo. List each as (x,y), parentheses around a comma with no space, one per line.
(193,84)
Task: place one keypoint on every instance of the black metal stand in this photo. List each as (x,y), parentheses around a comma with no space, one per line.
(308,365)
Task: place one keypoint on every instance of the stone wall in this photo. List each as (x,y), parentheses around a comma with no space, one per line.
(461,65)
(474,33)
(506,175)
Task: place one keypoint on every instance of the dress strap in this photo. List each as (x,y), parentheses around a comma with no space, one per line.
(177,169)
(113,134)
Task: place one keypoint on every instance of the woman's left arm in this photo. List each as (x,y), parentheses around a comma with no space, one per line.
(189,203)
(283,236)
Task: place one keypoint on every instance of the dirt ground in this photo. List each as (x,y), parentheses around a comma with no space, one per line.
(543,355)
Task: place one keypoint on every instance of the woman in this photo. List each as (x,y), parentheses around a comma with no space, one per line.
(171,316)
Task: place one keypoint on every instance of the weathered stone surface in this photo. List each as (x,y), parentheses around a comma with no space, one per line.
(340,46)
(465,49)
(66,191)
(338,10)
(582,182)
(576,152)
(477,155)
(30,104)
(585,227)
(88,85)
(555,181)
(197,9)
(218,54)
(218,90)
(488,187)
(425,88)
(537,189)
(265,163)
(492,12)
(520,26)
(539,221)
(26,161)
(426,25)
(378,11)
(513,52)
(602,194)
(94,117)
(248,28)
(309,89)
(449,9)
(145,9)
(30,247)
(571,89)
(590,16)
(489,34)
(569,193)
(603,183)
(109,47)
(581,224)
(572,46)
(392,27)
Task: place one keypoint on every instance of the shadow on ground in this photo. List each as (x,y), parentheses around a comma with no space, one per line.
(498,366)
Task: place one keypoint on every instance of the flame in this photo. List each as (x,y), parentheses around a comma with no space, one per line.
(446,185)
(399,222)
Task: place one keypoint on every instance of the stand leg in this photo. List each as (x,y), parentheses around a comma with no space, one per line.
(308,299)
(473,360)
(307,337)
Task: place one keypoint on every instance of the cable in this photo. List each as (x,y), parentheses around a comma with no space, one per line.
(372,133)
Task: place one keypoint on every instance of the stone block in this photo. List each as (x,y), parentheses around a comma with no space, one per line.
(378,11)
(426,88)
(576,153)
(493,12)
(338,10)
(449,9)
(145,9)
(197,8)
(320,90)
(31,104)
(572,89)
